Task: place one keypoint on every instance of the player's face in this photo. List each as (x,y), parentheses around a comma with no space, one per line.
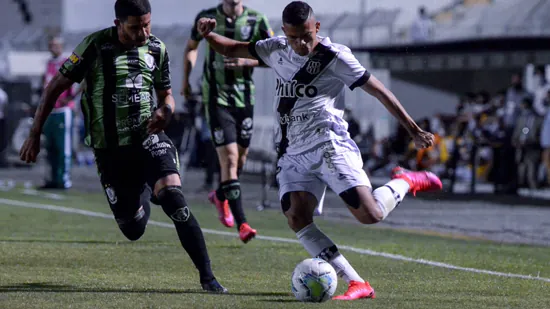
(56,48)
(232,2)
(135,30)
(302,38)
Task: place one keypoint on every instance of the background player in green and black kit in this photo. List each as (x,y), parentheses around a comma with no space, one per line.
(228,94)
(121,66)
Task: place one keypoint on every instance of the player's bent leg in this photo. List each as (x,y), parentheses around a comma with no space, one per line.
(298,207)
(168,193)
(227,157)
(230,190)
(133,226)
(243,154)
(363,205)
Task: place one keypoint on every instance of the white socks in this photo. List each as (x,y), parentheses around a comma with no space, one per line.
(390,195)
(317,244)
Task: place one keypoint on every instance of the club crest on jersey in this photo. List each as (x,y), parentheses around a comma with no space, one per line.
(292,89)
(245,32)
(150,61)
(313,67)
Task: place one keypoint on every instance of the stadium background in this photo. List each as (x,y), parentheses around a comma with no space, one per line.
(474,46)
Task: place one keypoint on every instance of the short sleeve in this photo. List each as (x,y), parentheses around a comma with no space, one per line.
(348,69)
(195,35)
(162,75)
(264,30)
(81,60)
(263,49)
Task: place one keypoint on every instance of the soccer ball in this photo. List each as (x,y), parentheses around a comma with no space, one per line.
(314,280)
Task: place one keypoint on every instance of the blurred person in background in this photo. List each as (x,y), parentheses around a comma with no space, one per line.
(3,128)
(228,95)
(514,97)
(59,125)
(540,89)
(526,140)
(545,137)
(422,29)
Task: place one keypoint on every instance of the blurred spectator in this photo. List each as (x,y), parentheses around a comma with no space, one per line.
(59,125)
(541,88)
(3,128)
(422,28)
(514,97)
(545,137)
(526,139)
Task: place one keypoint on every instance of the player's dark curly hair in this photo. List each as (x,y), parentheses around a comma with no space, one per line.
(297,13)
(125,8)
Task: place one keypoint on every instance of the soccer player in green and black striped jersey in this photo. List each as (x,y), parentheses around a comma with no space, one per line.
(228,94)
(120,68)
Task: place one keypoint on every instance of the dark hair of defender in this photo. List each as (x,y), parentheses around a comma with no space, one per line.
(297,13)
(125,8)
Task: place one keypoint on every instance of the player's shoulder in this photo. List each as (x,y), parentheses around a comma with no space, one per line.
(210,12)
(156,42)
(100,36)
(277,42)
(255,13)
(339,48)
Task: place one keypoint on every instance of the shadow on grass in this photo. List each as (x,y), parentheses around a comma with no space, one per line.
(44,287)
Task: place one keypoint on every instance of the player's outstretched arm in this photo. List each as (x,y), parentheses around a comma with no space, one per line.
(221,44)
(374,87)
(55,88)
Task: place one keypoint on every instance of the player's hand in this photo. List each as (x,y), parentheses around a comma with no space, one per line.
(205,26)
(186,90)
(423,139)
(161,118)
(234,63)
(30,149)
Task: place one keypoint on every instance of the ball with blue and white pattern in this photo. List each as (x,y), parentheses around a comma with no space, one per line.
(314,280)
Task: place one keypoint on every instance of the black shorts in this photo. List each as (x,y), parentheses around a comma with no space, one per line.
(230,124)
(127,171)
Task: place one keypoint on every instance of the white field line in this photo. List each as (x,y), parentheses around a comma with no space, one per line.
(279,239)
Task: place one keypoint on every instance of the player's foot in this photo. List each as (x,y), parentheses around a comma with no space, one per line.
(246,233)
(214,287)
(357,290)
(224,214)
(418,181)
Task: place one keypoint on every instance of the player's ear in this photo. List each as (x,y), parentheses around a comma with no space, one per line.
(117,22)
(317,26)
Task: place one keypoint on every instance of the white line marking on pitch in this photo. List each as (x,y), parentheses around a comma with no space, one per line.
(279,239)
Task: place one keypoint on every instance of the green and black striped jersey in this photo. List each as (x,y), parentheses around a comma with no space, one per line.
(230,87)
(117,101)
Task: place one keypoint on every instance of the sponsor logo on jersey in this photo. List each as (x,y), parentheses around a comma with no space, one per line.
(107,46)
(131,98)
(131,123)
(292,89)
(75,59)
(286,119)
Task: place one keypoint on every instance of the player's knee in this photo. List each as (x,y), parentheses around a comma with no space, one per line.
(173,203)
(134,227)
(296,220)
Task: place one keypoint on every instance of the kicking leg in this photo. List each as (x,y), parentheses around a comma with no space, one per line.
(298,207)
(370,208)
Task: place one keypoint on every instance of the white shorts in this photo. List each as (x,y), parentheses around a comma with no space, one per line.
(336,164)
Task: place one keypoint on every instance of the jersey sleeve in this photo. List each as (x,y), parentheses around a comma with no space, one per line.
(263,49)
(81,60)
(162,75)
(264,29)
(195,35)
(348,69)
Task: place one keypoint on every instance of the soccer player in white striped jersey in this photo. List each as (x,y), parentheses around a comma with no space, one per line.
(315,150)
